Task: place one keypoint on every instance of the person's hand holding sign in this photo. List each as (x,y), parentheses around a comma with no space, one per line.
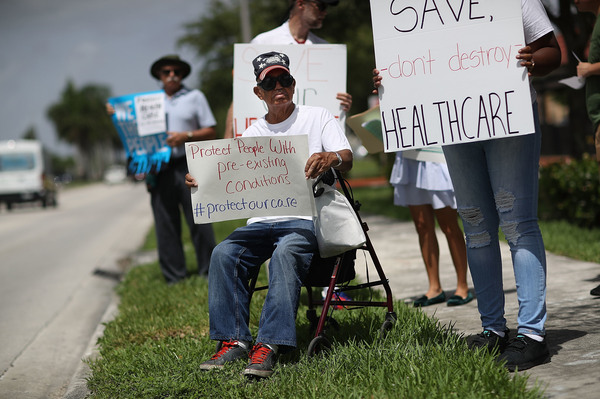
(190,181)
(541,56)
(376,80)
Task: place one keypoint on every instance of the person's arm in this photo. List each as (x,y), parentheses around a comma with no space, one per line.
(541,56)
(585,69)
(321,162)
(229,123)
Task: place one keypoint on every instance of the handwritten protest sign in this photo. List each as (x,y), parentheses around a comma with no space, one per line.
(251,176)
(450,73)
(319,70)
(141,123)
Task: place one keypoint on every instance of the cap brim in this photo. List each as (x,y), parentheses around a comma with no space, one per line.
(271,68)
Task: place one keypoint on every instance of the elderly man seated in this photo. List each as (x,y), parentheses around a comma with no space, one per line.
(288,241)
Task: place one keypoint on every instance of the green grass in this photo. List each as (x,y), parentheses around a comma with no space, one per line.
(153,347)
(561,238)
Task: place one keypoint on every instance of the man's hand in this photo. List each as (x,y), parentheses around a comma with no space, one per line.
(321,162)
(190,181)
(175,139)
(345,101)
(584,69)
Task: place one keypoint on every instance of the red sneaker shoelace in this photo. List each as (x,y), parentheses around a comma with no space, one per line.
(259,354)
(224,349)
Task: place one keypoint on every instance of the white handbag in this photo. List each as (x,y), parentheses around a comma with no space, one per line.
(336,225)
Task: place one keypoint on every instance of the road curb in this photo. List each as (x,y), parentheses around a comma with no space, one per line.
(78,385)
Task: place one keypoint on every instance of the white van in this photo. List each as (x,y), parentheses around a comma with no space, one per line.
(22,176)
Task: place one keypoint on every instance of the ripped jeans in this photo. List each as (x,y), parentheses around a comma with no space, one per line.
(496,185)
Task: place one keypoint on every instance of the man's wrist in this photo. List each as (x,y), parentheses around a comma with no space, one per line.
(189,134)
(339,157)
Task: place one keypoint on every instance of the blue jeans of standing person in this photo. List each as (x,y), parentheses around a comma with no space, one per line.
(290,245)
(496,185)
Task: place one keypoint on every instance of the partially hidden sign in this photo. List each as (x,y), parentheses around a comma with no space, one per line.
(450,73)
(319,70)
(141,123)
(249,176)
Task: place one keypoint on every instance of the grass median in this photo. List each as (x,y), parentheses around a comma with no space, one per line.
(153,347)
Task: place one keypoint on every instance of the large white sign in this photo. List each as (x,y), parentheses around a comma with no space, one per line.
(319,70)
(450,73)
(251,176)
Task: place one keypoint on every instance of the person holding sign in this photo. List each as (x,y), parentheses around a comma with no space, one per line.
(304,15)
(496,185)
(189,118)
(288,241)
(591,72)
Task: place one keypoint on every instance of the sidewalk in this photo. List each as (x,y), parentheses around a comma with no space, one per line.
(573,325)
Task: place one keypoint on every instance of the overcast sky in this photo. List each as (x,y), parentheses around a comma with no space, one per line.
(111,42)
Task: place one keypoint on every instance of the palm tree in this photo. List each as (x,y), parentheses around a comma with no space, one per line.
(80,119)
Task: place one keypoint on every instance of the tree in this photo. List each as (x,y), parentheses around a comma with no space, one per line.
(214,34)
(30,134)
(80,119)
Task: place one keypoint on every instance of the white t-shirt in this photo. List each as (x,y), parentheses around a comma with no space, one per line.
(535,20)
(535,25)
(282,35)
(324,134)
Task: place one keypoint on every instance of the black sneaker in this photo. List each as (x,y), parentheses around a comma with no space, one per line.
(489,340)
(262,360)
(230,351)
(523,353)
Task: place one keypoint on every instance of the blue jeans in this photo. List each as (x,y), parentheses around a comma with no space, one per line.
(496,185)
(290,245)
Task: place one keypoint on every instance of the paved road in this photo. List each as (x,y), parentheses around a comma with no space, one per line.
(51,299)
(573,326)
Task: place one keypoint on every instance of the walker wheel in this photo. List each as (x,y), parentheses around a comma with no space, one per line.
(385,328)
(318,345)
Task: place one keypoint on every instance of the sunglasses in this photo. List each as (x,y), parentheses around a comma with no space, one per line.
(320,5)
(167,72)
(269,83)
